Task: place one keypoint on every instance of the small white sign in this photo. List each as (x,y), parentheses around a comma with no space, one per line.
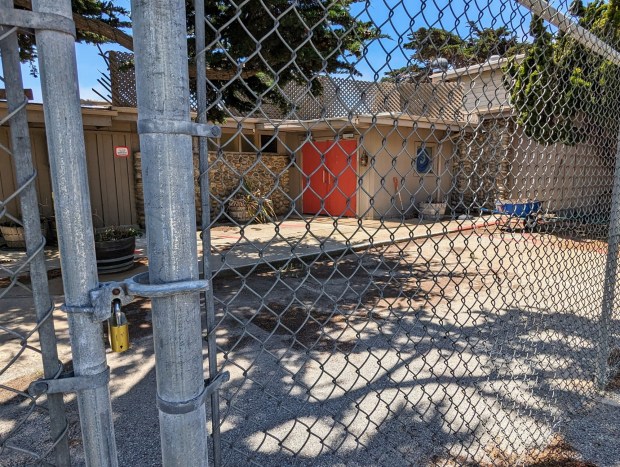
(121,151)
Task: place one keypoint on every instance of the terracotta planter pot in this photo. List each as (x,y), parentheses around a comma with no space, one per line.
(14,236)
(243,213)
(239,213)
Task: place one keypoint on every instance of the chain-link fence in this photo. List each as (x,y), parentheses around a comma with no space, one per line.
(429,291)
(409,219)
(33,427)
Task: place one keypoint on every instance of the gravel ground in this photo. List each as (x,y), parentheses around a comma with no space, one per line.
(469,349)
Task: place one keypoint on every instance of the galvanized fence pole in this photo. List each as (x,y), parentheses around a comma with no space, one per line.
(25,175)
(453,316)
(202,117)
(65,141)
(611,275)
(565,24)
(167,166)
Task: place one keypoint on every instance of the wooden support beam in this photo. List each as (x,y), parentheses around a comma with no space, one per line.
(27,93)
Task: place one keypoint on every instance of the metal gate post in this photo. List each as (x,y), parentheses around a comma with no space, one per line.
(611,271)
(167,165)
(205,201)
(65,141)
(24,174)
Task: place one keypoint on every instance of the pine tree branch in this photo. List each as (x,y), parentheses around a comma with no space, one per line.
(125,40)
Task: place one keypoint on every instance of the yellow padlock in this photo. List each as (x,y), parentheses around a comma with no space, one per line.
(118,329)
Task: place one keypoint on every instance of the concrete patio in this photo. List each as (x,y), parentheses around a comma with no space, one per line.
(234,249)
(422,301)
(239,248)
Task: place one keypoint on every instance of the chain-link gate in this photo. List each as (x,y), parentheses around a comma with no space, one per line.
(407,222)
(28,337)
(34,427)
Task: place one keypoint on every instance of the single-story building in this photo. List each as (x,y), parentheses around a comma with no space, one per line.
(114,162)
(359,149)
(363,166)
(111,179)
(497,160)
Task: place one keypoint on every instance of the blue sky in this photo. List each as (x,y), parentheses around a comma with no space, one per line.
(399,18)
(395,18)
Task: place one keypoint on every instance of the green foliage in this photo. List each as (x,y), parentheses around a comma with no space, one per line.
(541,90)
(562,91)
(275,44)
(429,44)
(254,200)
(116,233)
(104,11)
(272,42)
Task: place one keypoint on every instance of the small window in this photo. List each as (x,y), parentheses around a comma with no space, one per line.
(213,144)
(268,143)
(247,144)
(424,159)
(229,143)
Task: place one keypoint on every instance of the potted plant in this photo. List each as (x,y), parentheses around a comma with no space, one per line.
(238,209)
(114,248)
(431,210)
(250,204)
(13,234)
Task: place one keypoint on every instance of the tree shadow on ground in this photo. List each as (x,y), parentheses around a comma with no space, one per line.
(381,365)
(378,360)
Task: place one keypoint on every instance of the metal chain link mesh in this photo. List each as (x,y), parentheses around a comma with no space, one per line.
(33,429)
(409,220)
(412,222)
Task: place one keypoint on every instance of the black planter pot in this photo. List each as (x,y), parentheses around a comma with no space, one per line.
(115,255)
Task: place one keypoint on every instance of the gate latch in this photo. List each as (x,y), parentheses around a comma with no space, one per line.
(101,300)
(108,293)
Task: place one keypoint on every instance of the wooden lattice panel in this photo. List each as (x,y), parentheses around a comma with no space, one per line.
(123,79)
(434,100)
(339,97)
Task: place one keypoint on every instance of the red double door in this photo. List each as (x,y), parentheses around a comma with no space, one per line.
(330,178)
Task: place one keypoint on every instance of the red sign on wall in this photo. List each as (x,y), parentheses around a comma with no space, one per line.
(121,151)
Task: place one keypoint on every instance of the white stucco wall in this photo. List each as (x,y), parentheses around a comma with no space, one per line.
(391,154)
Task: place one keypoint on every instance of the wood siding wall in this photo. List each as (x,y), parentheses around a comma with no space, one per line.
(111,179)
(41,164)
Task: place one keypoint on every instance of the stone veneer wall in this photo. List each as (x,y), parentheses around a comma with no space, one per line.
(482,165)
(269,172)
